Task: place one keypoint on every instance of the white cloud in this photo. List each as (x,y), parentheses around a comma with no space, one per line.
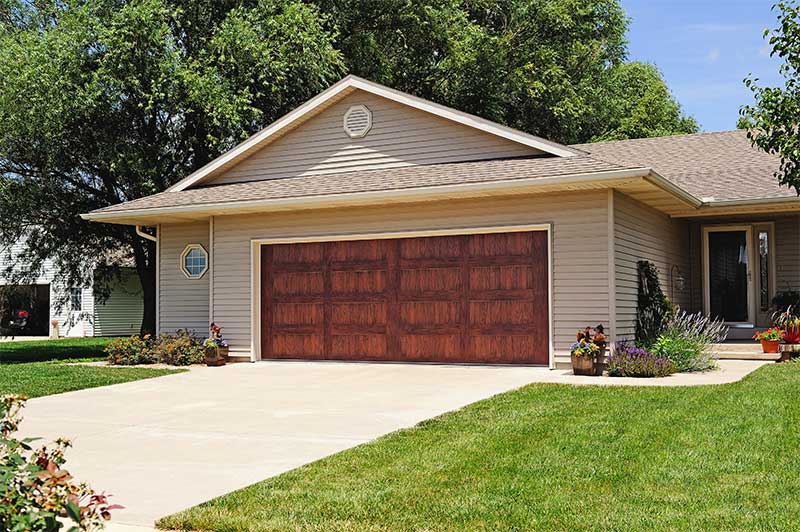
(713,55)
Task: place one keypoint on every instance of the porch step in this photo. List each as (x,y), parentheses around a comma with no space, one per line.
(742,351)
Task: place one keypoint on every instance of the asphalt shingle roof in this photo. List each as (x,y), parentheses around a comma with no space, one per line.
(722,165)
(374,180)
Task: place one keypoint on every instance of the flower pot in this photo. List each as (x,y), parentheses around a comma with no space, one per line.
(582,365)
(216,356)
(600,364)
(770,346)
(792,335)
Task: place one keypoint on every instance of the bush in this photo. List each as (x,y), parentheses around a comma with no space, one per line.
(130,351)
(653,309)
(35,490)
(631,361)
(687,340)
(183,349)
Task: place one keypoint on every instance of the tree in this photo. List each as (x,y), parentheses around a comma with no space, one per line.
(773,121)
(554,68)
(103,101)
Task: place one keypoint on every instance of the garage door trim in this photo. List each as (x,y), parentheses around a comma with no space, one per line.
(255,265)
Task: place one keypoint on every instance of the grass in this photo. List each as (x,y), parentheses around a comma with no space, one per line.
(553,457)
(46,378)
(64,349)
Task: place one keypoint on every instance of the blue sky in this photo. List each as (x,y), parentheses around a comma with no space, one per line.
(704,49)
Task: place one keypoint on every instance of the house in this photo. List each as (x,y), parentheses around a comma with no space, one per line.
(77,310)
(369,224)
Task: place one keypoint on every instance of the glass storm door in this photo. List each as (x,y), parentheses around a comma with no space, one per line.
(728,275)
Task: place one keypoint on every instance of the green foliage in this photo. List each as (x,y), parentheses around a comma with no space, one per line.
(774,119)
(183,349)
(653,309)
(64,349)
(35,489)
(554,68)
(103,101)
(687,341)
(131,351)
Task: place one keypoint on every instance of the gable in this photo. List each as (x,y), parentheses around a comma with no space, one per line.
(399,136)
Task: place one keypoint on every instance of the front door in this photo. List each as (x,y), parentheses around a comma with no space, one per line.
(728,264)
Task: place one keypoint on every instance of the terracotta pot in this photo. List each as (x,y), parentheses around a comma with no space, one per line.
(582,365)
(792,335)
(770,346)
(216,356)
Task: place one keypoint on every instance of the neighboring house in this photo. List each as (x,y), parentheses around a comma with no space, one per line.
(369,224)
(78,311)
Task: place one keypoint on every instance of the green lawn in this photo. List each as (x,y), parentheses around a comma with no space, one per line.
(554,457)
(67,348)
(46,378)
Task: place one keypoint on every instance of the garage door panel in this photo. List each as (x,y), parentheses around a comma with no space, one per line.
(478,298)
(430,347)
(437,247)
(499,313)
(501,277)
(430,280)
(500,244)
(298,283)
(359,346)
(297,345)
(372,313)
(430,313)
(358,281)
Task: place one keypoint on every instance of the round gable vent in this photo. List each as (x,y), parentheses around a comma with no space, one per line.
(357,121)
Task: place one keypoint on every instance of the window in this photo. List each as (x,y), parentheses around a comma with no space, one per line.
(763,270)
(76,299)
(194,261)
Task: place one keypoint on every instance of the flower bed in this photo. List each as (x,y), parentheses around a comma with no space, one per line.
(631,361)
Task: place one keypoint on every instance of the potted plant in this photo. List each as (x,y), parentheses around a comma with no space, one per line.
(789,321)
(770,339)
(588,352)
(216,347)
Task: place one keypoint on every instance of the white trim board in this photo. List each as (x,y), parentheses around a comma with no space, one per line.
(255,267)
(345,86)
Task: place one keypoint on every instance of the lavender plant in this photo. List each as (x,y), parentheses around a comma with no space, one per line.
(630,361)
(687,341)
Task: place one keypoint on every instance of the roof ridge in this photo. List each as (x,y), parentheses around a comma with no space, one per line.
(652,139)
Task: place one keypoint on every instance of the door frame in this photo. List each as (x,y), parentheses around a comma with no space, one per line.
(255,267)
(751,296)
(769,227)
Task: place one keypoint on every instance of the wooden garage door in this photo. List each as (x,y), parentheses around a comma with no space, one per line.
(471,298)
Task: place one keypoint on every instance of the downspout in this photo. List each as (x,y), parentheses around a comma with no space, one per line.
(147,236)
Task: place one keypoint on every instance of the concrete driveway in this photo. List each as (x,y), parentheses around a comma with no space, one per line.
(165,444)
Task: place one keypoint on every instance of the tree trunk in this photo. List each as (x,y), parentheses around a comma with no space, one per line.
(144,253)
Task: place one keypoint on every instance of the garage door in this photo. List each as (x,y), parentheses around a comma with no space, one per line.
(467,298)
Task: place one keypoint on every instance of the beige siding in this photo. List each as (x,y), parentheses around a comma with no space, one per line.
(787,253)
(183,302)
(580,250)
(400,136)
(121,313)
(642,233)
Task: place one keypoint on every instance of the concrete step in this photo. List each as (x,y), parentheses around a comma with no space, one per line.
(743,351)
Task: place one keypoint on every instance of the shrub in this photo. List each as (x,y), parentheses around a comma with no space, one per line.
(631,361)
(687,340)
(653,309)
(130,351)
(35,490)
(183,349)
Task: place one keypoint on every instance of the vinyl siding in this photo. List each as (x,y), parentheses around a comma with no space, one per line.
(121,313)
(183,302)
(579,240)
(400,136)
(69,323)
(642,233)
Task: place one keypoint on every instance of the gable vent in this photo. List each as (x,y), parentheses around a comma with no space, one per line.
(357,121)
